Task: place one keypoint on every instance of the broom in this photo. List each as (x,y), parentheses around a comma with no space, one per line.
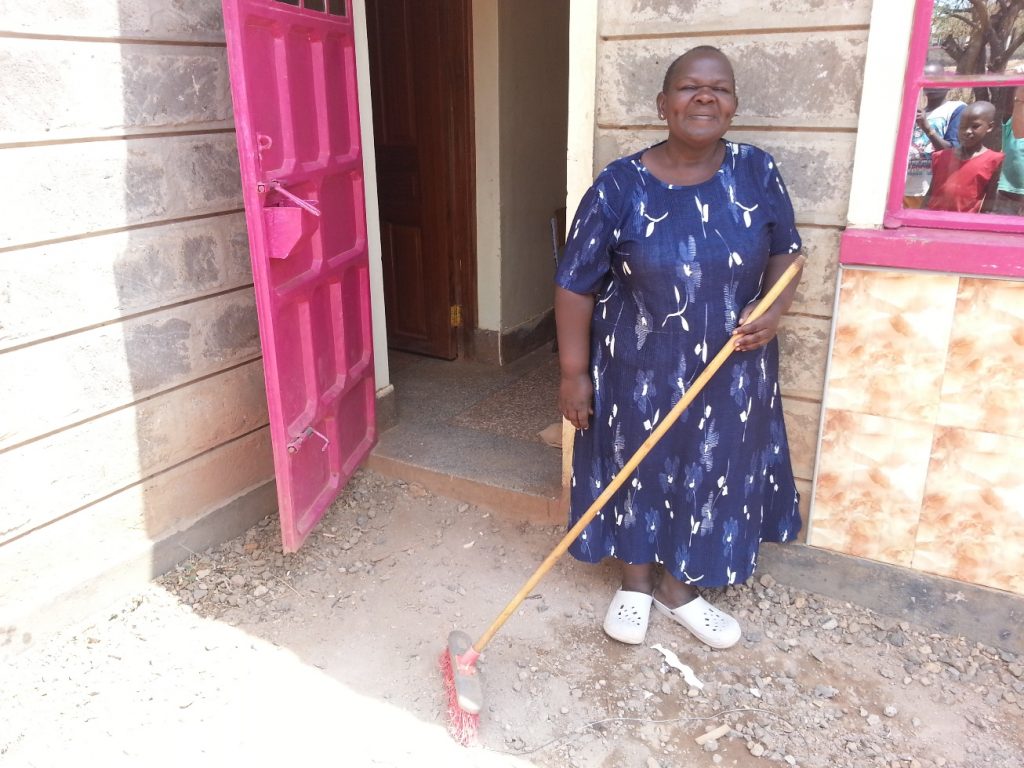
(458,660)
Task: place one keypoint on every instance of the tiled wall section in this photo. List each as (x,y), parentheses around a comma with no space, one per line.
(922,445)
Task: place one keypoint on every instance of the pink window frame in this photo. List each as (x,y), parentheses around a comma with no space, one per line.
(968,244)
(895,214)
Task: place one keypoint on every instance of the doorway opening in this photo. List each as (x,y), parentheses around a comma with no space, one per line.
(421,87)
(470,112)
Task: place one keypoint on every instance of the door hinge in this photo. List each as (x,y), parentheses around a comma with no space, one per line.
(456,316)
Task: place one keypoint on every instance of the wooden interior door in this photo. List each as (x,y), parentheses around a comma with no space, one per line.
(422,124)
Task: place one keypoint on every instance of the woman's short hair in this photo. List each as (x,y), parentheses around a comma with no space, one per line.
(700,50)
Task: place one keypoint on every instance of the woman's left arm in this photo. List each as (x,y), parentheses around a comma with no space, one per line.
(748,336)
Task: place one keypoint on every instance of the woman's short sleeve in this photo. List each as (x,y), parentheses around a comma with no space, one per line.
(784,236)
(585,263)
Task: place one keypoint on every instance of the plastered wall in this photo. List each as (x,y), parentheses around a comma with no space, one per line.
(799,74)
(131,385)
(534,83)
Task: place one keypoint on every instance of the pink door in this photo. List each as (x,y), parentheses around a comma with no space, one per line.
(293,83)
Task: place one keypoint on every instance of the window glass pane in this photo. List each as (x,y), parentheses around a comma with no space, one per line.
(289,2)
(337,7)
(976,37)
(315,5)
(967,151)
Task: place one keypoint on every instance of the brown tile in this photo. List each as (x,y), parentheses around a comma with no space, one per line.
(890,345)
(870,484)
(981,389)
(972,519)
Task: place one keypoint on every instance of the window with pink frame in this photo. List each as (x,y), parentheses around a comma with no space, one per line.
(960,146)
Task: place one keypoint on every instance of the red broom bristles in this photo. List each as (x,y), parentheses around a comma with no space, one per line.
(462,725)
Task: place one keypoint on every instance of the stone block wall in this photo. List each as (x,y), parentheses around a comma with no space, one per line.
(799,68)
(132,406)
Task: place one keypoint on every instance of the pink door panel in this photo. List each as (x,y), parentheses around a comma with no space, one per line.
(293,84)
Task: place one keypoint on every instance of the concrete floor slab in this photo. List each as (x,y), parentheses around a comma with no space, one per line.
(469,430)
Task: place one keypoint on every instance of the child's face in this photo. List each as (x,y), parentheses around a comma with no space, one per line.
(974,126)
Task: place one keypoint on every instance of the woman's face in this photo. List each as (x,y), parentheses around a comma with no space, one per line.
(700,100)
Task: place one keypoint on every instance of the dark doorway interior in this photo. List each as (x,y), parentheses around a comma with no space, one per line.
(421,87)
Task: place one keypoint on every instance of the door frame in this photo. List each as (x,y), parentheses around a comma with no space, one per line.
(463,176)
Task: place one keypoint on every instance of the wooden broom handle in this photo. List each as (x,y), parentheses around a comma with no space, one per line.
(641,453)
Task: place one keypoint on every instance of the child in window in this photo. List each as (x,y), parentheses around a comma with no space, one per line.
(1010,195)
(963,177)
(937,126)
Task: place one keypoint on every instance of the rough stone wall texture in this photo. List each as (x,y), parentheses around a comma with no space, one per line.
(131,388)
(799,67)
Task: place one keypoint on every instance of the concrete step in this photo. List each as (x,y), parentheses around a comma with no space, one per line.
(530,505)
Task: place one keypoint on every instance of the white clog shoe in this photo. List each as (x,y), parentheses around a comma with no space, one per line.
(628,616)
(708,624)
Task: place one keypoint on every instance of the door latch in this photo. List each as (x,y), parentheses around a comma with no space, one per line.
(277,186)
(295,444)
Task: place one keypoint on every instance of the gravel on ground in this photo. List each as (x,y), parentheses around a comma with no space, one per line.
(245,656)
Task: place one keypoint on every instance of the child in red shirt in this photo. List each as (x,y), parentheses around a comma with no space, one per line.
(962,176)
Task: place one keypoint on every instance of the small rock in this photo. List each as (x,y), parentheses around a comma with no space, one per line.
(890,711)
(564,710)
(260,591)
(652,763)
(825,691)
(830,624)
(463,507)
(756,749)
(202,573)
(238,580)
(874,720)
(767,581)
(711,745)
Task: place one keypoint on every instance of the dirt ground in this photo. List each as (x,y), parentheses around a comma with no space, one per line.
(243,656)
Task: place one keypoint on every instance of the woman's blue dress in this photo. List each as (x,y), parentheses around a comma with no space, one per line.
(672,267)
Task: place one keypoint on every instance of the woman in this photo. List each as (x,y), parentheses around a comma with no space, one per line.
(668,252)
